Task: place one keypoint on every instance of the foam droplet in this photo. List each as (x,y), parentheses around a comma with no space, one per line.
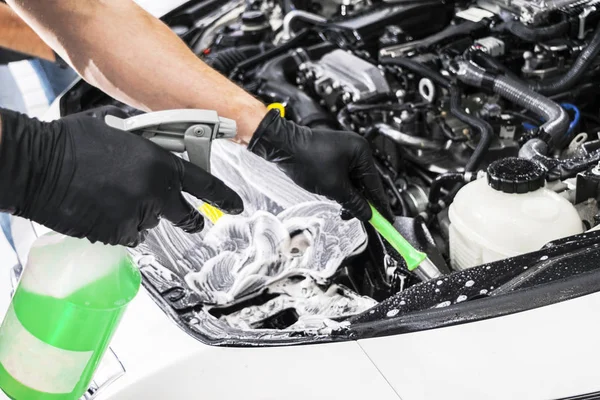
(444,304)
(393,312)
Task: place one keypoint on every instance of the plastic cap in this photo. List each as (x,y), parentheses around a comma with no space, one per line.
(516,175)
(254,18)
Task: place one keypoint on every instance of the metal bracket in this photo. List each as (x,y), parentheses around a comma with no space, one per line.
(180,130)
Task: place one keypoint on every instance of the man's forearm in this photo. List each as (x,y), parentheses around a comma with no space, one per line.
(16,35)
(120,48)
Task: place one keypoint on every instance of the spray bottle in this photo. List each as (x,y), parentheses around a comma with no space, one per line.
(63,314)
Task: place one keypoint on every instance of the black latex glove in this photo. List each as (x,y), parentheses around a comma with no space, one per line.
(335,164)
(79,177)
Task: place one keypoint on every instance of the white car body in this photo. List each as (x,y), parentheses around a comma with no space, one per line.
(549,352)
(546,353)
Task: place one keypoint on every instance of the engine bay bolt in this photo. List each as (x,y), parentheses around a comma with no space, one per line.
(443,114)
(466,132)
(333,108)
(400,94)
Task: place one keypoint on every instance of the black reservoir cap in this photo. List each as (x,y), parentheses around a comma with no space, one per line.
(516,175)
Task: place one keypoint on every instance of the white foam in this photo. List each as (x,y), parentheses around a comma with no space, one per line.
(392,313)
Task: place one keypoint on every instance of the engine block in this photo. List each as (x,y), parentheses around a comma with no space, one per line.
(340,77)
(535,11)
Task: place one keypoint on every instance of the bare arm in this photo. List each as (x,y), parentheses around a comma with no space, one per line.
(16,35)
(120,48)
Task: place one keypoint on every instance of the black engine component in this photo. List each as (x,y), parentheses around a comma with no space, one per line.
(416,19)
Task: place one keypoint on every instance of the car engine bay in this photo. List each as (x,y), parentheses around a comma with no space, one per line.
(485,126)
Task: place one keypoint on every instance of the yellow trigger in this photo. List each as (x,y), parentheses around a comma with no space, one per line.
(277,106)
(210,212)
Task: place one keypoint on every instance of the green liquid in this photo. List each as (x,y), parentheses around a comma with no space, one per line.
(83,321)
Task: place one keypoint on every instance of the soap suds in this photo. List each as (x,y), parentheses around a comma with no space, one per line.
(392,313)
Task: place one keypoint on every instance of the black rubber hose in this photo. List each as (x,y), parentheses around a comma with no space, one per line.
(485,130)
(269,54)
(456,178)
(451,32)
(583,62)
(418,68)
(225,60)
(387,179)
(558,169)
(537,34)
(557,119)
(489,63)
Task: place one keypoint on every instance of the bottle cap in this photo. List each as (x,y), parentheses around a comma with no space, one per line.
(516,175)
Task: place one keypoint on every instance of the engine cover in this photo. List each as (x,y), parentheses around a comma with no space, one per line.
(340,77)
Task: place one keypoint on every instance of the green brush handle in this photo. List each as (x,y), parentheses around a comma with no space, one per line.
(412,256)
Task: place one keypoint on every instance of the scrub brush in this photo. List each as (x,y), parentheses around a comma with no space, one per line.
(416,261)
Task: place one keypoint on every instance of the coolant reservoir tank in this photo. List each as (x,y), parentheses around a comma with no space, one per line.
(506,213)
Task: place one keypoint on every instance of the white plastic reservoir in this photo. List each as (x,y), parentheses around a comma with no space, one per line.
(506,213)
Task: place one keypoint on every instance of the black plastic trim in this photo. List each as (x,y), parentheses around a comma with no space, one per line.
(467,312)
(478,310)
(589,396)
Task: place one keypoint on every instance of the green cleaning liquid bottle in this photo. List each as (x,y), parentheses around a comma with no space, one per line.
(64,312)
